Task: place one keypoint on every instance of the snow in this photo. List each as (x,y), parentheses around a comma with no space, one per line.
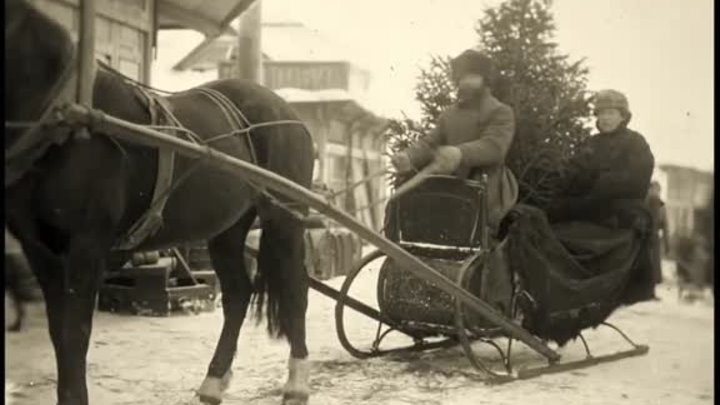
(173,45)
(137,360)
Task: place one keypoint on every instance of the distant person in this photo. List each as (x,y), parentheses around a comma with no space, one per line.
(471,137)
(705,230)
(660,243)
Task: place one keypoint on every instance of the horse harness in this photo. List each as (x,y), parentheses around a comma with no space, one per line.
(162,116)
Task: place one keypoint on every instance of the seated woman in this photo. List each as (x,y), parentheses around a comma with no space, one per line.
(614,165)
(588,253)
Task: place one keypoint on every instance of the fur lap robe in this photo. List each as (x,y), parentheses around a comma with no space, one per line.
(578,272)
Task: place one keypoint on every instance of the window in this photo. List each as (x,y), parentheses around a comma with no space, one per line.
(336,170)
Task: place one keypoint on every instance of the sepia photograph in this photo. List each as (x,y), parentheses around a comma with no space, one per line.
(359,202)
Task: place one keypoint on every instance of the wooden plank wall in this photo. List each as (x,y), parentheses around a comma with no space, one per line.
(123,29)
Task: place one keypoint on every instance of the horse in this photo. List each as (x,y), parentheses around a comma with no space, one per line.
(69,198)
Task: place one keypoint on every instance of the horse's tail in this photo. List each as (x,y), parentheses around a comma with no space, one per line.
(266,302)
(281,280)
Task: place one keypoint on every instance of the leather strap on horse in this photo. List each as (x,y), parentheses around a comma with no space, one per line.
(150,222)
(233,116)
(239,124)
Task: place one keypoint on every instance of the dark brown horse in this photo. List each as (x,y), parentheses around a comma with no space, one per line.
(69,202)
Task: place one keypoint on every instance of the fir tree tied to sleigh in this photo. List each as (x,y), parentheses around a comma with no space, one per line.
(546,89)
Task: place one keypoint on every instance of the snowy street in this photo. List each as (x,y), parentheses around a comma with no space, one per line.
(139,360)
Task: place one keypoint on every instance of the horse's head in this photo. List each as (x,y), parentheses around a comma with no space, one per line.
(39,54)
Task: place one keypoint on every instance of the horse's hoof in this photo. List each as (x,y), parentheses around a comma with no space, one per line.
(201,400)
(206,400)
(295,398)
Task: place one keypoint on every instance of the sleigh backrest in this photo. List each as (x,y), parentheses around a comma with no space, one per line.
(442,212)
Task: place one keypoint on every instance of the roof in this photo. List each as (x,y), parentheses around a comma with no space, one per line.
(212,18)
(281,42)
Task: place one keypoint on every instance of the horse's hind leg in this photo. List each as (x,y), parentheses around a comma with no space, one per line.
(281,262)
(227,255)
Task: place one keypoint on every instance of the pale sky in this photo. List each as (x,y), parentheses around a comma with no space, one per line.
(658,52)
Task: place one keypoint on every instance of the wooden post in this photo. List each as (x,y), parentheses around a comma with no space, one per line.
(249,55)
(86,49)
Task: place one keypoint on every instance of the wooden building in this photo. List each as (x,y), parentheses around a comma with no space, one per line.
(685,190)
(325,88)
(125,29)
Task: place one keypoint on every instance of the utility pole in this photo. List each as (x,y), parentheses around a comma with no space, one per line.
(249,55)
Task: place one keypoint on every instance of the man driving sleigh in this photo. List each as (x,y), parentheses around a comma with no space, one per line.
(471,137)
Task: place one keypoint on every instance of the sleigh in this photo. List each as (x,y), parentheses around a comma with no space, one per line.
(443,223)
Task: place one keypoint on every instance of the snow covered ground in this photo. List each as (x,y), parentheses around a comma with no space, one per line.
(137,360)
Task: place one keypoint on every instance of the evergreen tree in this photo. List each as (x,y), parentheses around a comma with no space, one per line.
(545,88)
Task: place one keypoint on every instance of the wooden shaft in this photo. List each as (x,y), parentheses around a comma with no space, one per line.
(140,134)
(364,309)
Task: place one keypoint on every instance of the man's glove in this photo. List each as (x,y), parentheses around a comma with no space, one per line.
(401,162)
(447,159)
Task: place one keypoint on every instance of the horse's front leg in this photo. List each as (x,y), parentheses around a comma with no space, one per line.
(70,300)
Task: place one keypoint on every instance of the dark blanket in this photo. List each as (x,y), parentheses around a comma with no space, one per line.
(575,274)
